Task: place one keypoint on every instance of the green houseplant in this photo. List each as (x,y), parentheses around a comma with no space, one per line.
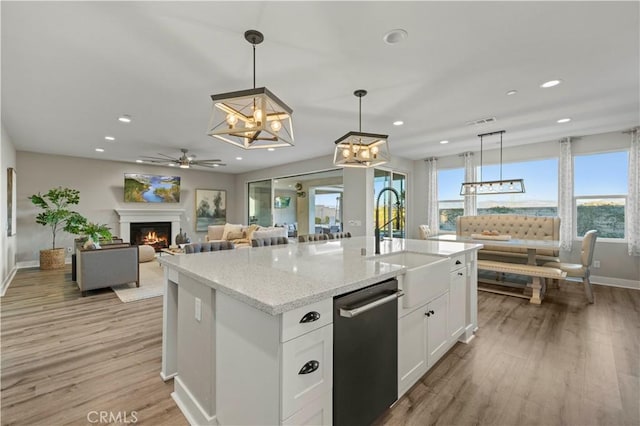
(93,232)
(58,216)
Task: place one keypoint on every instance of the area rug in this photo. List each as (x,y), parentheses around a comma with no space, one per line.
(151,284)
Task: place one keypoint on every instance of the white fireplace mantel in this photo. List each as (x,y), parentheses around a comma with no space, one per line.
(129,216)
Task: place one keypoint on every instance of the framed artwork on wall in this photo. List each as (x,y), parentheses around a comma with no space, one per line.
(11,202)
(140,188)
(211,208)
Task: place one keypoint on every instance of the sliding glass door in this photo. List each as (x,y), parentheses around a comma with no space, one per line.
(387,209)
(260,204)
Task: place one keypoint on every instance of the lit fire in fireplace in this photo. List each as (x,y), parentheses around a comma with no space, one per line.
(152,238)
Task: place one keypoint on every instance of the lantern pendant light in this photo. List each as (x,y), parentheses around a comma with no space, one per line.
(253,118)
(358,149)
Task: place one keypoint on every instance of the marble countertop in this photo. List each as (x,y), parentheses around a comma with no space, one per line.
(277,279)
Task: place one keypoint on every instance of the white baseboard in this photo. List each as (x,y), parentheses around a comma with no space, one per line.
(189,406)
(615,282)
(36,263)
(7,281)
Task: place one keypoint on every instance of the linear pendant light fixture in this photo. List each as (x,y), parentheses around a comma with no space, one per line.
(253,118)
(358,149)
(502,186)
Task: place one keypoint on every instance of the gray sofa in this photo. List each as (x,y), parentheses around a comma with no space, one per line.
(106,267)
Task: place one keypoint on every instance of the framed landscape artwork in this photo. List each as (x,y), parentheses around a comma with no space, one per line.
(139,188)
(11,202)
(211,208)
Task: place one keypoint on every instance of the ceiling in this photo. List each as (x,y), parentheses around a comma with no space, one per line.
(69,69)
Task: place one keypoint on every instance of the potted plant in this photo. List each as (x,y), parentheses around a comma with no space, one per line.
(94,232)
(57,215)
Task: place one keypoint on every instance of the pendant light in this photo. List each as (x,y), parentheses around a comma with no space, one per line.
(502,186)
(253,118)
(358,149)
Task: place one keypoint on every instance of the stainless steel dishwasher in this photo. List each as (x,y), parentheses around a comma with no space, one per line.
(365,353)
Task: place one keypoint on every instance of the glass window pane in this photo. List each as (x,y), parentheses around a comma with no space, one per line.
(449,181)
(611,169)
(540,182)
(260,203)
(605,215)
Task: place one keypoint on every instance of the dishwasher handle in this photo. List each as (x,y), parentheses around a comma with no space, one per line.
(350,313)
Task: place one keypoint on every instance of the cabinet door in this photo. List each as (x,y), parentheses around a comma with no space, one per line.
(317,412)
(437,330)
(307,369)
(457,303)
(412,349)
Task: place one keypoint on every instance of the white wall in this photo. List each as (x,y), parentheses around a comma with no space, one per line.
(101,186)
(8,244)
(288,214)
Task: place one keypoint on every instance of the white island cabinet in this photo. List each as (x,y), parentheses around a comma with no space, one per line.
(248,334)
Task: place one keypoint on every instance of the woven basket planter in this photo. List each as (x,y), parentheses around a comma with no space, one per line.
(52,259)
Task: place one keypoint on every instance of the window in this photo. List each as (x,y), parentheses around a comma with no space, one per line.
(600,193)
(450,202)
(540,182)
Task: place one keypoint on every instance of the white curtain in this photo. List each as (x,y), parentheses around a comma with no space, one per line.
(565,196)
(633,198)
(470,201)
(433,215)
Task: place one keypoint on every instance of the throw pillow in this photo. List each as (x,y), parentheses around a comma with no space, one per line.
(229,227)
(251,230)
(235,235)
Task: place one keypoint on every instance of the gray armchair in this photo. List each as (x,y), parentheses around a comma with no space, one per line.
(106,267)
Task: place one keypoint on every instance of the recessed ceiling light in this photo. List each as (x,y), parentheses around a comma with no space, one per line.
(139,161)
(395,36)
(511,92)
(171,165)
(110,138)
(99,150)
(444,142)
(398,123)
(564,120)
(271,149)
(550,83)
(238,158)
(125,118)
(216,165)
(276,181)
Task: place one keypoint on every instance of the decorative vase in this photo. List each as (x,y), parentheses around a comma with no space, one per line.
(182,238)
(52,259)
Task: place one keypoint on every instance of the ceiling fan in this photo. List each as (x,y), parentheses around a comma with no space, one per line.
(184,161)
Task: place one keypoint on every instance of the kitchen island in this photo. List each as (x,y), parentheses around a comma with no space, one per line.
(238,324)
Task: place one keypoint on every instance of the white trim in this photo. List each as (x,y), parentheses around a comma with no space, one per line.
(7,281)
(189,406)
(616,282)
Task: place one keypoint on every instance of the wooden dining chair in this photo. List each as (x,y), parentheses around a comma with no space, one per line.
(580,271)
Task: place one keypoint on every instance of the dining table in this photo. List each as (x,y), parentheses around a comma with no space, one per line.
(532,246)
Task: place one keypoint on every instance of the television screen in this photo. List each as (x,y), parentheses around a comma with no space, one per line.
(139,188)
(282,202)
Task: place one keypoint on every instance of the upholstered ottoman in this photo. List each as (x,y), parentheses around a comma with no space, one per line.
(146,253)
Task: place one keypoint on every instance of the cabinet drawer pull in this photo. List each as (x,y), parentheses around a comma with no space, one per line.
(310,317)
(309,367)
(429,313)
(458,262)
(460,273)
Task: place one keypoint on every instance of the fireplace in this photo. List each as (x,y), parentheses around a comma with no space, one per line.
(154,234)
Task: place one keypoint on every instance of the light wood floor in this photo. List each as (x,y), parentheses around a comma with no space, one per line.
(565,362)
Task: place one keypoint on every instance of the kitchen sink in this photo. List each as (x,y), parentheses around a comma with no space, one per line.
(426,276)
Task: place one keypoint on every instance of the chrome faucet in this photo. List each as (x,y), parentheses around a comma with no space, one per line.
(397,217)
